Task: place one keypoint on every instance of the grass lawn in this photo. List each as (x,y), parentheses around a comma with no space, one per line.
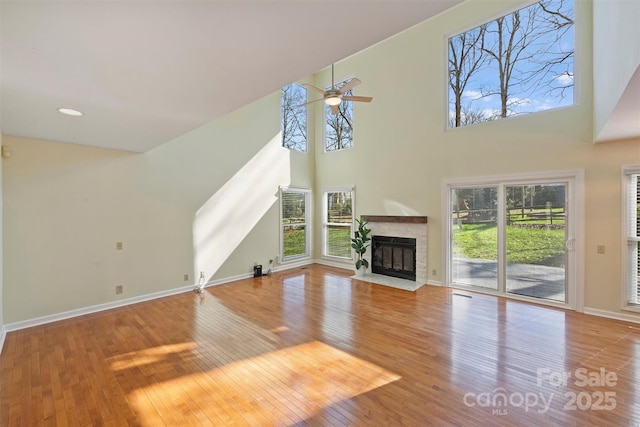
(524,245)
(294,243)
(338,242)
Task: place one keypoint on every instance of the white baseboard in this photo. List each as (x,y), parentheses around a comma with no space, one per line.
(121,303)
(289,265)
(115,304)
(94,309)
(344,265)
(612,315)
(128,301)
(3,335)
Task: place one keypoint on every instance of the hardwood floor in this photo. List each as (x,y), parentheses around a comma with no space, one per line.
(312,347)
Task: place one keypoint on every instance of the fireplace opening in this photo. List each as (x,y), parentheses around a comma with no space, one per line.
(394,256)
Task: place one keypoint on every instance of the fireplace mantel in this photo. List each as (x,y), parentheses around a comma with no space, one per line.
(395,219)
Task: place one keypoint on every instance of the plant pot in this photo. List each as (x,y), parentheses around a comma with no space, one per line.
(361,271)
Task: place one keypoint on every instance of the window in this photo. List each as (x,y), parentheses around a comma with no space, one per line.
(293,124)
(339,123)
(295,224)
(517,64)
(631,212)
(337,222)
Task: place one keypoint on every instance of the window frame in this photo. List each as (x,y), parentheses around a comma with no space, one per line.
(307,223)
(627,247)
(325,224)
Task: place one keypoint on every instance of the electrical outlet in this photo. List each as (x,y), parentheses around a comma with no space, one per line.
(186,277)
(600,249)
(119,246)
(434,272)
(119,289)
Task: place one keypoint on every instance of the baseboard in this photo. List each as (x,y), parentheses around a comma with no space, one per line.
(612,315)
(289,265)
(114,304)
(434,283)
(128,301)
(337,264)
(3,335)
(94,309)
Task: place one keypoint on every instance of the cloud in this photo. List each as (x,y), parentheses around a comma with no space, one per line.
(475,95)
(564,79)
(472,94)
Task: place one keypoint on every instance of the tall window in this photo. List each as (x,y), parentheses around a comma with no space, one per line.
(632,213)
(295,225)
(339,123)
(517,64)
(337,222)
(293,125)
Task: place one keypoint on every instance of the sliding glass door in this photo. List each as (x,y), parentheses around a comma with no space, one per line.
(536,237)
(511,238)
(474,236)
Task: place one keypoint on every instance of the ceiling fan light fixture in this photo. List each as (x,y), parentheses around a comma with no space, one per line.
(333,100)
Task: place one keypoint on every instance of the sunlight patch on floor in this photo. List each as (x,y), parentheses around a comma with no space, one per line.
(148,356)
(283,386)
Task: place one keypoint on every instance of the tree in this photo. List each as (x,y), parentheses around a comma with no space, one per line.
(556,20)
(294,117)
(525,59)
(467,116)
(525,51)
(466,56)
(339,127)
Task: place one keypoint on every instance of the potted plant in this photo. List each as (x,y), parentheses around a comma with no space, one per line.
(360,243)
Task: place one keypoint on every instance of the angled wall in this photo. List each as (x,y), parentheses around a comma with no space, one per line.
(616,57)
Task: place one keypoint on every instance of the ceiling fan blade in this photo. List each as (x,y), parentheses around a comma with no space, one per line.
(334,109)
(357,98)
(310,102)
(312,87)
(349,85)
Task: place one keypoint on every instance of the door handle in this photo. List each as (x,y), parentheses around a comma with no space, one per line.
(570,244)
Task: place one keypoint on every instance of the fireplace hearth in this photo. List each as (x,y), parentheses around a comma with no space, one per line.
(394,256)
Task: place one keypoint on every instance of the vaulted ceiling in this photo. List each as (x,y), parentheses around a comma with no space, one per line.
(145,72)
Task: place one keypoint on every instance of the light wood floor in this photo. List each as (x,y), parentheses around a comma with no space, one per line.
(312,347)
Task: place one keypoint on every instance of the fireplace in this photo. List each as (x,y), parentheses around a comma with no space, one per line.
(394,256)
(409,227)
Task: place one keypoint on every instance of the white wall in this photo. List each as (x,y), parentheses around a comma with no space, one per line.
(203,202)
(616,47)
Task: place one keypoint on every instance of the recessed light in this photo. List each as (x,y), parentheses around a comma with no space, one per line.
(70,111)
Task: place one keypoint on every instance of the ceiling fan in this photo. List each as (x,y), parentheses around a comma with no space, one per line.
(334,96)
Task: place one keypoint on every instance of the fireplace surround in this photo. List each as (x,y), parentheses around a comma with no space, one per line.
(406,227)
